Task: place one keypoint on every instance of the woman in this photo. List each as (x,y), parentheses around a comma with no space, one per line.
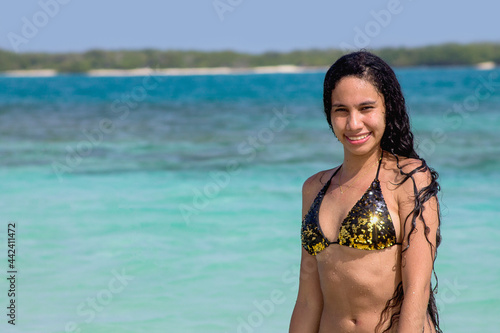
(370,227)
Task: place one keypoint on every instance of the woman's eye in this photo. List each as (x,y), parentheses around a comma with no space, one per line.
(340,110)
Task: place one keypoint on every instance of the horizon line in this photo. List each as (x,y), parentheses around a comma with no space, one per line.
(142,49)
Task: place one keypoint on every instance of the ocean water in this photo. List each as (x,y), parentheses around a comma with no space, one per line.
(172,204)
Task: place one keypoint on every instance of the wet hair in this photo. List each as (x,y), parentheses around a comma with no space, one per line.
(398,140)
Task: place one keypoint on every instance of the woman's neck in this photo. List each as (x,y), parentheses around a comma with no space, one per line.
(353,164)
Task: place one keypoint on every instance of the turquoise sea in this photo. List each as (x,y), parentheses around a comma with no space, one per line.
(173,204)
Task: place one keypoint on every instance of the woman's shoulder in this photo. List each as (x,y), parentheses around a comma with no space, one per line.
(406,165)
(315,182)
(313,185)
(408,172)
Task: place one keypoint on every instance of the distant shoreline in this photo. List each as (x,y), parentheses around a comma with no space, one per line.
(191,62)
(280,69)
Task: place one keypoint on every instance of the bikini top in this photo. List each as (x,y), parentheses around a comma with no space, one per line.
(368,225)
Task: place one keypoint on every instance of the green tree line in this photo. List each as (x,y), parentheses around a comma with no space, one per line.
(437,55)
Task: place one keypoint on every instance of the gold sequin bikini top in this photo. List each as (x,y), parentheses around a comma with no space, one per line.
(368,226)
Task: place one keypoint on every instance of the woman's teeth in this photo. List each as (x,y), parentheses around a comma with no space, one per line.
(356,138)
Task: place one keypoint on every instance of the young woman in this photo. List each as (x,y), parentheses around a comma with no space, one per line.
(370,226)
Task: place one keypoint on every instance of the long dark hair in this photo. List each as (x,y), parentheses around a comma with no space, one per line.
(398,140)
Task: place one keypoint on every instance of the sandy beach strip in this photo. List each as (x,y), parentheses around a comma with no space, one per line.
(204,71)
(285,69)
(486,65)
(31,73)
(147,71)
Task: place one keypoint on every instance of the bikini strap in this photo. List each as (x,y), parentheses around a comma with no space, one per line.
(379,164)
(335,173)
(323,190)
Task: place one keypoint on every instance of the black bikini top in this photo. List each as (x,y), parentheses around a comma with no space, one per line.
(368,225)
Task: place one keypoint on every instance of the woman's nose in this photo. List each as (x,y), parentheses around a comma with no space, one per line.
(354,121)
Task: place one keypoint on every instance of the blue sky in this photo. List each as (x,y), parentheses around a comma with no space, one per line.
(242,25)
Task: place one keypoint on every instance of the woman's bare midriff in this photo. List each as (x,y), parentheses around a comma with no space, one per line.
(356,285)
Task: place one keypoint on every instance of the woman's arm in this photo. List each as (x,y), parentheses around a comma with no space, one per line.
(418,260)
(309,305)
(306,315)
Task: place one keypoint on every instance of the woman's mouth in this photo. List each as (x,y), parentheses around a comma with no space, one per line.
(359,138)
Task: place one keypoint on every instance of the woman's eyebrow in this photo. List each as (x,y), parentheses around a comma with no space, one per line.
(368,102)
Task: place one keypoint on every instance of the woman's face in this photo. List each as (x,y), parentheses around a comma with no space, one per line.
(358,115)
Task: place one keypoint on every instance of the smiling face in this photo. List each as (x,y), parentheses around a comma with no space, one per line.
(358,115)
